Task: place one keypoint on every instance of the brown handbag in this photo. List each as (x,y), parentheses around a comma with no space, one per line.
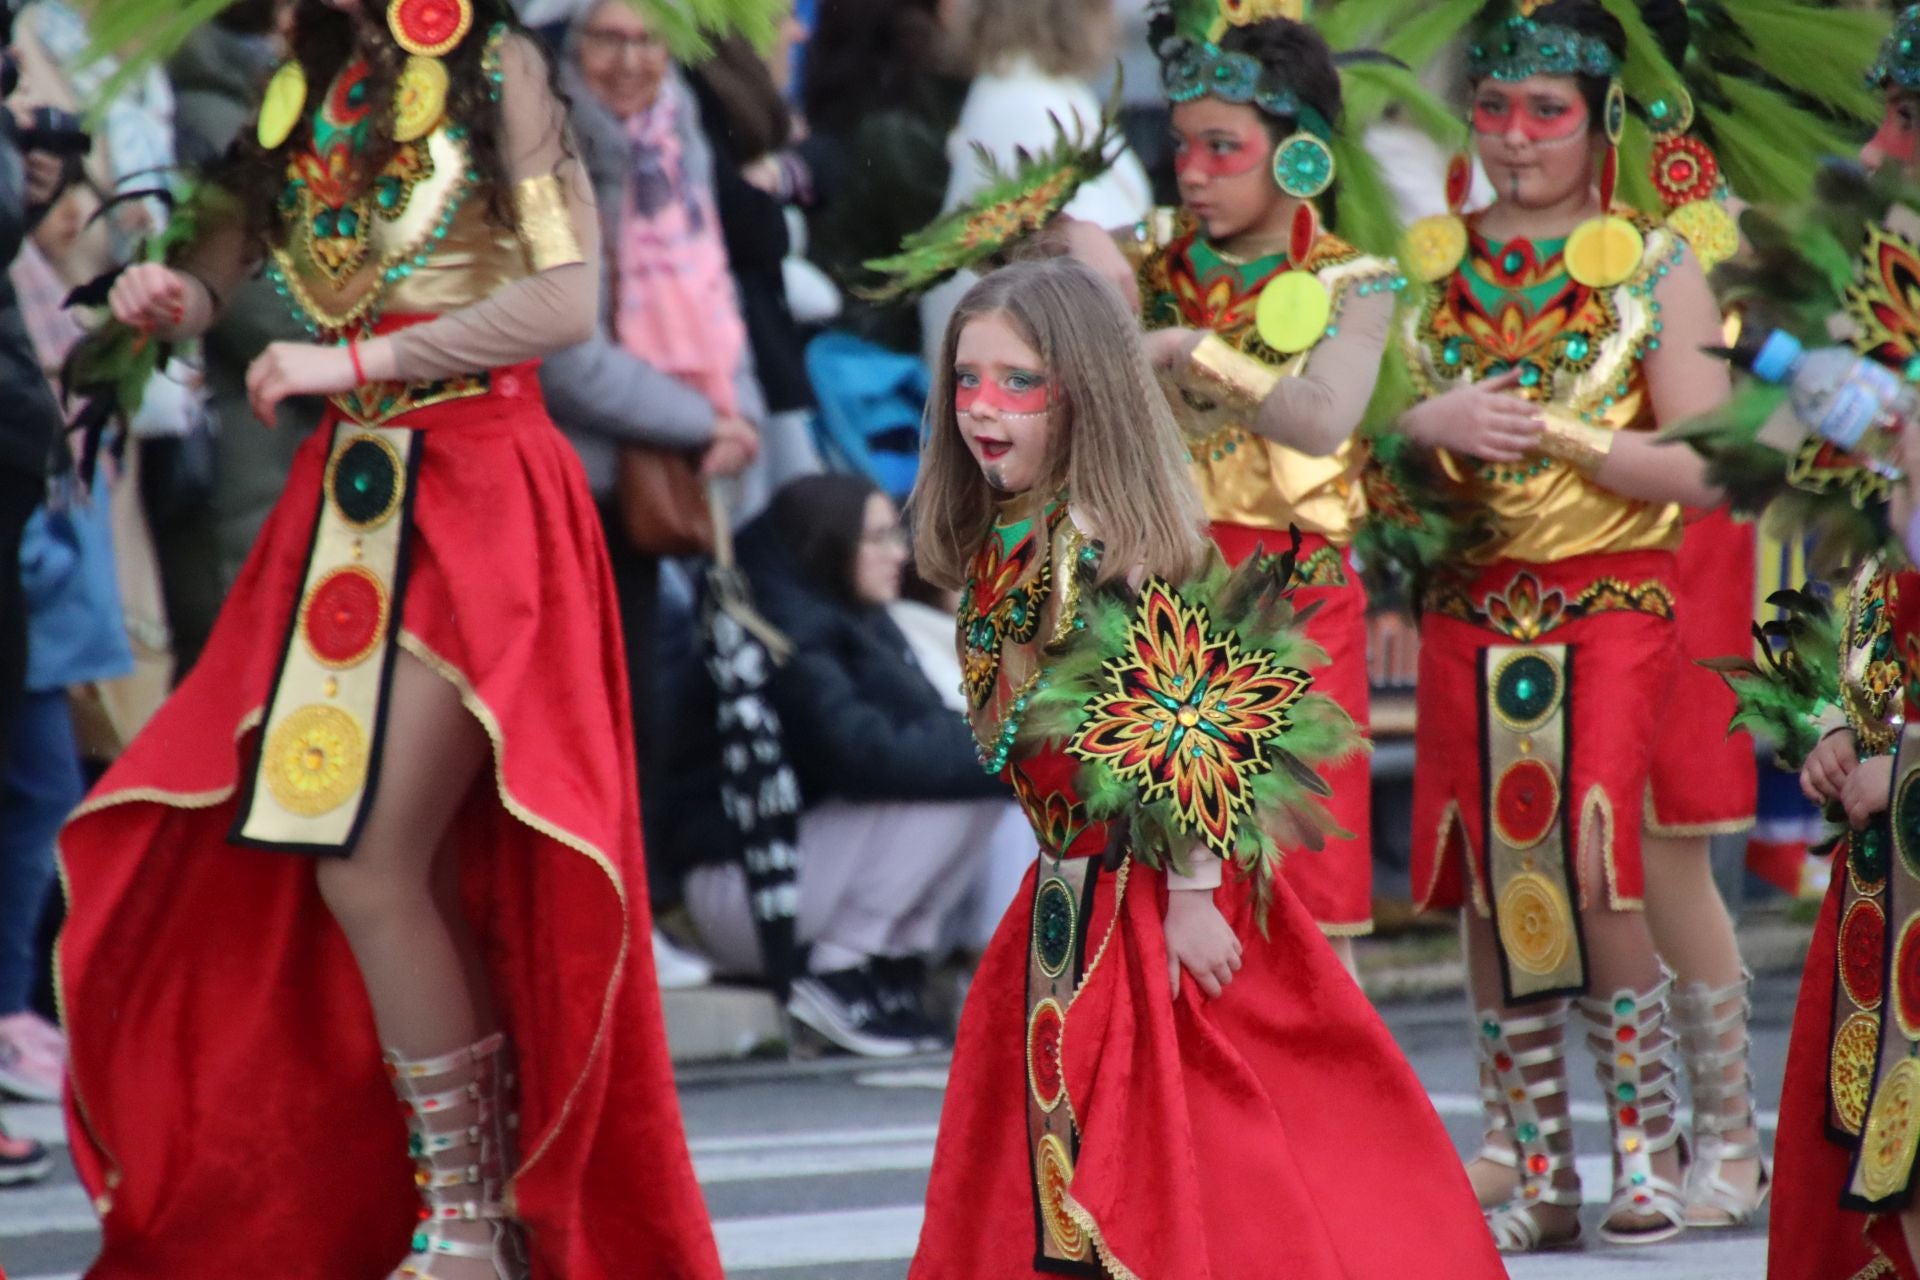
(663,502)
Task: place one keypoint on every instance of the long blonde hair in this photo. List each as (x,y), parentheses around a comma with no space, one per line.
(1064,37)
(1114,447)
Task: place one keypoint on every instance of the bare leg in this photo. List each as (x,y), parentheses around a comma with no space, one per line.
(1495,1180)
(1695,936)
(1343,948)
(398,910)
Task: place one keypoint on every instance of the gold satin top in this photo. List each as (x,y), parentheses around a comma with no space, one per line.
(1582,351)
(1243,477)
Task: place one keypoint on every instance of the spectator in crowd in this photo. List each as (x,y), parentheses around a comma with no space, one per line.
(747,124)
(667,366)
(217,79)
(897,812)
(881,95)
(1032,63)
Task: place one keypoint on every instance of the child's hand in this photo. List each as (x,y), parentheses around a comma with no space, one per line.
(1200,940)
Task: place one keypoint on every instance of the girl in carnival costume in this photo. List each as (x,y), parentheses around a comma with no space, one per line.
(1552,332)
(1190,1063)
(1741,120)
(1271,330)
(414,686)
(1834,695)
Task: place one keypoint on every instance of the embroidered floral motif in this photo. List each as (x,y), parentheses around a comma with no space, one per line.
(1526,611)
(1872,675)
(997,608)
(1190,714)
(1058,820)
(1323,568)
(1884,298)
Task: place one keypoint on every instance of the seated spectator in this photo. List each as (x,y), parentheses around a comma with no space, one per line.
(1032,63)
(897,813)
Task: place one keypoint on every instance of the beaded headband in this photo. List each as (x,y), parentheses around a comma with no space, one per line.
(1521,47)
(1899,62)
(1191,69)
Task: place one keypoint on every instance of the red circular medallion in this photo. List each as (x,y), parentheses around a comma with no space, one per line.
(429,28)
(1044,1031)
(1684,170)
(1526,801)
(1906,978)
(1863,953)
(344,617)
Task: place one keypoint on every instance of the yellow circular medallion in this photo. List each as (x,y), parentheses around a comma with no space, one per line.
(1603,253)
(1434,247)
(315,760)
(1708,229)
(1293,312)
(280,109)
(1536,924)
(1053,1168)
(1850,1073)
(1893,1132)
(420,99)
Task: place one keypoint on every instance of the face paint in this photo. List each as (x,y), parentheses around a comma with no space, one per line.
(1218,154)
(1019,395)
(1898,139)
(1541,121)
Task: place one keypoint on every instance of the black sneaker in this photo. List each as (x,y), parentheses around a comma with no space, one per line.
(900,982)
(843,1007)
(22,1160)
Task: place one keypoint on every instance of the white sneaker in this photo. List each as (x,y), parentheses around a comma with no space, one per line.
(676,968)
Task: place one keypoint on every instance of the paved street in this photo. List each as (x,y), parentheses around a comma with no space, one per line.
(817,1171)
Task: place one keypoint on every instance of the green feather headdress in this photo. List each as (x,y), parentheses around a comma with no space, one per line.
(1780,696)
(143,34)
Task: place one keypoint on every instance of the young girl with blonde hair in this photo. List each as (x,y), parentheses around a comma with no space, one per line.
(1191,1064)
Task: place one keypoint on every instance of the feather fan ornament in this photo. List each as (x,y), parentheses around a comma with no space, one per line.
(1015,203)
(1780,695)
(1192,713)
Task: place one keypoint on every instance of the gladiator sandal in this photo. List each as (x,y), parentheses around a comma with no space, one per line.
(462,1168)
(1722,1102)
(1543,1145)
(1636,1061)
(1496,1143)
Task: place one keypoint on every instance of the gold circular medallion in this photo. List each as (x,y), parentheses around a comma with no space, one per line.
(1293,312)
(1433,247)
(1603,253)
(1850,1073)
(1893,1133)
(1708,229)
(315,760)
(1536,924)
(420,99)
(280,109)
(1053,1169)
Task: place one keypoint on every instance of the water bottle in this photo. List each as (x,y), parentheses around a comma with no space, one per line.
(1857,403)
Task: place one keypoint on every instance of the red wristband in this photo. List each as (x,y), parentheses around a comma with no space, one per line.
(353,354)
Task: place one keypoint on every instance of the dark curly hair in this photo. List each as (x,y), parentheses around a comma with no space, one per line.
(323,42)
(1667,19)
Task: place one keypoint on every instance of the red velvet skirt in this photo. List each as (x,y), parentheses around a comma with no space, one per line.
(1705,781)
(1244,1138)
(1809,1236)
(1334,883)
(1623,652)
(228,1105)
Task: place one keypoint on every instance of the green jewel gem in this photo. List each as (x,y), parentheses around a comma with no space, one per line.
(1623,1006)
(1639,1179)
(1490,1029)
(1512,262)
(1913,370)
(1527,688)
(1577,347)
(1527,1132)
(1625,1092)
(1529,375)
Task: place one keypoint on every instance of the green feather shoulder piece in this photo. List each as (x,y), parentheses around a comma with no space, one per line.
(1192,713)
(1780,695)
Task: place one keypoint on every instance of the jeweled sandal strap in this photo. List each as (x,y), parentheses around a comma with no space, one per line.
(405,1068)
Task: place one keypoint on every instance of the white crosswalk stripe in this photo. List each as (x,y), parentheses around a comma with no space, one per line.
(869,1233)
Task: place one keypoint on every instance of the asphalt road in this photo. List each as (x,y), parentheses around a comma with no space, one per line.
(816,1171)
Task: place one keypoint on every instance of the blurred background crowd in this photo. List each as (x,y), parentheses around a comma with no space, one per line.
(835,789)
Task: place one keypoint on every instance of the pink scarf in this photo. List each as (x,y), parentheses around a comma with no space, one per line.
(676,305)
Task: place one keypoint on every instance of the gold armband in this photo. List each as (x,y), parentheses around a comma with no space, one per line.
(1229,376)
(1578,444)
(546,228)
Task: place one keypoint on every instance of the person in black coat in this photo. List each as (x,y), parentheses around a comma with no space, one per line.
(897,813)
